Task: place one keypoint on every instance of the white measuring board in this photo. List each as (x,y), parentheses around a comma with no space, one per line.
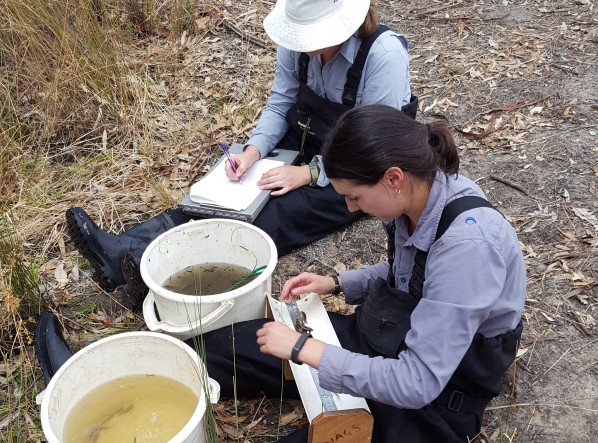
(317,319)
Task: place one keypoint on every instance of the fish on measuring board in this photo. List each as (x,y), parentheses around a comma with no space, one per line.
(301,323)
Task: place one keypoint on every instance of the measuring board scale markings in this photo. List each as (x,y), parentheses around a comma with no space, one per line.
(332,416)
(309,313)
(326,396)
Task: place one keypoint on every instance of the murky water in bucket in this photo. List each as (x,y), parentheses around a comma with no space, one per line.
(206,279)
(137,408)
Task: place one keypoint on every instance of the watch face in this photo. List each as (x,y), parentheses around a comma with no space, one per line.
(313,170)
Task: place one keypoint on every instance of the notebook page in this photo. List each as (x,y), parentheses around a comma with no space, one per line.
(217,189)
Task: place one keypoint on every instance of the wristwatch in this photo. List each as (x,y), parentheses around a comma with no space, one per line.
(314,171)
(298,346)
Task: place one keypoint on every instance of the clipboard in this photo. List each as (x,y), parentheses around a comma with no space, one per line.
(202,210)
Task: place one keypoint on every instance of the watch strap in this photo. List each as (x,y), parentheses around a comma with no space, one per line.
(297,348)
(314,172)
(337,285)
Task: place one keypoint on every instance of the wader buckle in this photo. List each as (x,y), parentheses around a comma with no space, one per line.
(455,400)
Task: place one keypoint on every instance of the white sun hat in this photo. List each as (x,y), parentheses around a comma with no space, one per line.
(311,25)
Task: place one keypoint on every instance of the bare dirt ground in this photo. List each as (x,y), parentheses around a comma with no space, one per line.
(518,82)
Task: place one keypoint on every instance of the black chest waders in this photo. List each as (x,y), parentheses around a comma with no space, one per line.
(312,117)
(384,320)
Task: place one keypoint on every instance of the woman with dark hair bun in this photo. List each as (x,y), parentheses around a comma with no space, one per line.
(437,323)
(365,144)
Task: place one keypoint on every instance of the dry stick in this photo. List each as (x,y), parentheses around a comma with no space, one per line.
(517,405)
(242,34)
(588,366)
(508,183)
(463,19)
(578,254)
(422,14)
(577,379)
(567,69)
(517,105)
(552,365)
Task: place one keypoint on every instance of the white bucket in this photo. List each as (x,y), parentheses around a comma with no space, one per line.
(122,355)
(201,242)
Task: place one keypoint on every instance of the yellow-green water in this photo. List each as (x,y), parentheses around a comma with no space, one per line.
(206,279)
(133,409)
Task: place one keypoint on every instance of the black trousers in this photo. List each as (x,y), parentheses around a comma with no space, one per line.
(294,219)
(233,352)
(303,216)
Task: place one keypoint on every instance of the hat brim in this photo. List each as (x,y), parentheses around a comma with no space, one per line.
(328,32)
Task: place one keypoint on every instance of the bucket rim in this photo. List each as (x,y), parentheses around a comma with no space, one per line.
(213,298)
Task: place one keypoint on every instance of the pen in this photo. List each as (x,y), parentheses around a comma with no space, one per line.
(230,160)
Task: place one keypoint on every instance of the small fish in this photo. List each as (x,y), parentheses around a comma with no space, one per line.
(92,434)
(300,323)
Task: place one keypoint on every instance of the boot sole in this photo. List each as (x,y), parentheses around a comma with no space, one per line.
(136,290)
(103,274)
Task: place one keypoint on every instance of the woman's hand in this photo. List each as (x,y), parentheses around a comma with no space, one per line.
(242,162)
(305,283)
(285,179)
(277,339)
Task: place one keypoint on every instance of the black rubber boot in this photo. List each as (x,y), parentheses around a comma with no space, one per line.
(106,251)
(50,348)
(135,289)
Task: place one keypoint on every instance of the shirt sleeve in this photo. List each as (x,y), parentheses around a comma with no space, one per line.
(386,73)
(272,126)
(456,302)
(322,177)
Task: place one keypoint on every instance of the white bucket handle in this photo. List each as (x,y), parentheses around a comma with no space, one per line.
(156,325)
(213,390)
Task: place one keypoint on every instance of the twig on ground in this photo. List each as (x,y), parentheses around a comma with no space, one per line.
(424,14)
(552,365)
(578,254)
(236,30)
(464,19)
(508,183)
(517,105)
(552,405)
(564,68)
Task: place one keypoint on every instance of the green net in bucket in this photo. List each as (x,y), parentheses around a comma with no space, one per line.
(251,275)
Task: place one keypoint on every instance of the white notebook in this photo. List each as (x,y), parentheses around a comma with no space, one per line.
(216,189)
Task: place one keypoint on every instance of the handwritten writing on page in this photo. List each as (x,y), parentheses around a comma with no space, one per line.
(217,189)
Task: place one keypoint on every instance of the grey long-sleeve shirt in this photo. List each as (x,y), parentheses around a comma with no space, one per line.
(475,283)
(385,80)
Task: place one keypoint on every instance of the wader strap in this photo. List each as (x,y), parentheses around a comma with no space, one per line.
(355,71)
(449,213)
(457,401)
(303,62)
(390,251)
(456,207)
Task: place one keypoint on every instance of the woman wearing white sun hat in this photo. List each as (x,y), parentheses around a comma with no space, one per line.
(333,55)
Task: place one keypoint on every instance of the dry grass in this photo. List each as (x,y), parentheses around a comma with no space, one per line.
(116,105)
(77,117)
